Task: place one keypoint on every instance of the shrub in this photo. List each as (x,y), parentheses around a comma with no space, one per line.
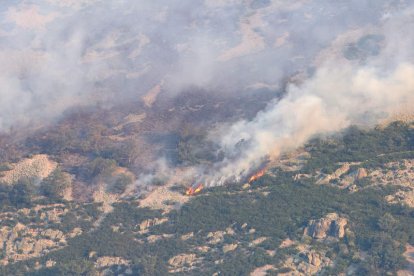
(55,184)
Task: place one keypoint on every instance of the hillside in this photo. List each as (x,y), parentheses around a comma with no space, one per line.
(206,137)
(346,208)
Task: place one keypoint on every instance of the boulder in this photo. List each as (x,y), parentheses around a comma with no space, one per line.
(313,258)
(182,260)
(361,173)
(330,226)
(229,247)
(107,261)
(53,234)
(146,224)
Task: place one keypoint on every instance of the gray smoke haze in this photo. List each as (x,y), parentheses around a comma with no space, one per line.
(365,90)
(59,54)
(354,58)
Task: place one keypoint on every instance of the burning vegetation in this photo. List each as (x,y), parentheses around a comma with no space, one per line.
(195,189)
(257,175)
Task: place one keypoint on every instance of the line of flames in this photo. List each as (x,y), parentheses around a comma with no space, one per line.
(193,190)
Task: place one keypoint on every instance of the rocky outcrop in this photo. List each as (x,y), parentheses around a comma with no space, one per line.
(402,197)
(361,173)
(312,258)
(330,226)
(409,257)
(229,247)
(257,241)
(75,232)
(155,238)
(262,271)
(21,242)
(215,237)
(344,177)
(307,262)
(187,236)
(401,174)
(395,173)
(183,262)
(107,261)
(53,234)
(337,174)
(53,214)
(146,224)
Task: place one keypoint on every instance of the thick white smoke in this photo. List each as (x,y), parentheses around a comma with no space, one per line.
(358,54)
(58,54)
(336,97)
(342,92)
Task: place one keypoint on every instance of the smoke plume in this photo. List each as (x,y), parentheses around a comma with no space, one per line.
(354,59)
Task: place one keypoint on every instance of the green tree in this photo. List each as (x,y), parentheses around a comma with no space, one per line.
(99,167)
(77,267)
(55,184)
(387,223)
(21,193)
(121,183)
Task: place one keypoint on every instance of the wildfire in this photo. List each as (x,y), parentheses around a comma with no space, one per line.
(193,190)
(257,175)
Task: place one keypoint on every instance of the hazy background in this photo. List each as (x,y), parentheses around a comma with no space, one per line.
(350,62)
(58,53)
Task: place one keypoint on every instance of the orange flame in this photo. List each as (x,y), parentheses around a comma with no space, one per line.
(193,190)
(257,175)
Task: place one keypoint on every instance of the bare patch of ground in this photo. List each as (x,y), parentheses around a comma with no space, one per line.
(37,167)
(262,271)
(409,256)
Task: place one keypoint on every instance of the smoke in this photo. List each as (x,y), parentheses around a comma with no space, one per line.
(364,89)
(356,56)
(335,98)
(58,54)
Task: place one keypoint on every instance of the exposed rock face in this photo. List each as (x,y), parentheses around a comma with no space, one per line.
(53,214)
(50,263)
(344,177)
(187,236)
(21,242)
(107,261)
(53,234)
(330,226)
(395,173)
(229,247)
(337,174)
(307,262)
(361,173)
(183,262)
(399,174)
(215,237)
(262,271)
(258,241)
(409,257)
(313,258)
(75,232)
(342,170)
(146,224)
(404,197)
(155,238)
